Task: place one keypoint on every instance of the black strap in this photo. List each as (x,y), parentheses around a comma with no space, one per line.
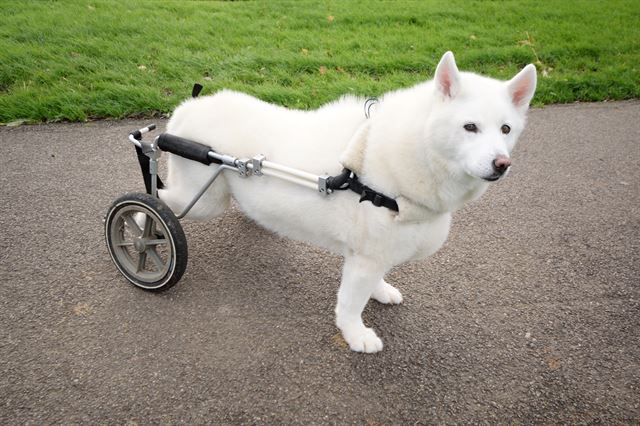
(367,194)
(197,88)
(144,167)
(349,180)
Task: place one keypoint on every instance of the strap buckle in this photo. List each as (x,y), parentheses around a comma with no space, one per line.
(369,194)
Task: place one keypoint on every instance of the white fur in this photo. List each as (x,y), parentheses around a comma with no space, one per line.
(413,148)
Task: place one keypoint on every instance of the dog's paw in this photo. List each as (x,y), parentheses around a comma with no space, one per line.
(386,293)
(362,339)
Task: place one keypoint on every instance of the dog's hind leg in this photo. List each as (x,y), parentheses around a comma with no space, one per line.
(386,293)
(360,277)
(185,179)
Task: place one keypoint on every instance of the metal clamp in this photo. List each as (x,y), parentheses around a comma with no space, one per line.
(256,164)
(242,165)
(322,185)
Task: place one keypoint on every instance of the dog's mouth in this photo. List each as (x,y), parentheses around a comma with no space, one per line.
(496,175)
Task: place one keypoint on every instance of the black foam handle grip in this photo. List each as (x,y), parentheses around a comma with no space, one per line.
(185,148)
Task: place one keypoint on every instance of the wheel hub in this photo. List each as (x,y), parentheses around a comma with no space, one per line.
(139,245)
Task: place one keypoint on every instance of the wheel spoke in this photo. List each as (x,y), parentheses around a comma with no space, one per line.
(155,258)
(133,225)
(148,225)
(155,242)
(141,261)
(124,244)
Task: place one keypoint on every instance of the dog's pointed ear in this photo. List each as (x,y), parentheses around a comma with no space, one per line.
(447,76)
(523,86)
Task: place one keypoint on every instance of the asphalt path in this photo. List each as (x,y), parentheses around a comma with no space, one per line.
(529,314)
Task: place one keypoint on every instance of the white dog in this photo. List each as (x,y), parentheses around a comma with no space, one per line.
(431,147)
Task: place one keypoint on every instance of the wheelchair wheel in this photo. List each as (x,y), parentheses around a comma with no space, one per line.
(146,242)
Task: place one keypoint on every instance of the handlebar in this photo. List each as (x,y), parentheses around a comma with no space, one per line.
(137,135)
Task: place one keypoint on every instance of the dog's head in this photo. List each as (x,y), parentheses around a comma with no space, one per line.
(476,120)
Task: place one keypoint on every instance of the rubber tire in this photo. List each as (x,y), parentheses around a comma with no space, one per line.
(176,235)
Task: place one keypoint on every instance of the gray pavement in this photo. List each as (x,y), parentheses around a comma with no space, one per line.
(529,314)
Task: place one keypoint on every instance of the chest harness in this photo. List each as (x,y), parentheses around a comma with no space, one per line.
(349,180)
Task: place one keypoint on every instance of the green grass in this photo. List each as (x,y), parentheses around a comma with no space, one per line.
(79,60)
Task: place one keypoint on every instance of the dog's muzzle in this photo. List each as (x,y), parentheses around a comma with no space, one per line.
(500,166)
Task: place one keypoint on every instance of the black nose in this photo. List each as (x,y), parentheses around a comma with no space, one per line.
(501,164)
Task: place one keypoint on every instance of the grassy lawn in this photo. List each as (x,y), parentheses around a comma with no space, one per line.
(79,60)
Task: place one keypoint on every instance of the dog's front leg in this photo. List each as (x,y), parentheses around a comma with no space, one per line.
(360,277)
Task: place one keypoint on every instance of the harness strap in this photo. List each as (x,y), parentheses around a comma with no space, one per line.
(367,194)
(349,180)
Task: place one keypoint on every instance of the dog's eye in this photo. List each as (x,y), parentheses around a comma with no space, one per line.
(470,127)
(505,129)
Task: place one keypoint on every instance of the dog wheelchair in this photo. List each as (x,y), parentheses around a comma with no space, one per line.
(144,236)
